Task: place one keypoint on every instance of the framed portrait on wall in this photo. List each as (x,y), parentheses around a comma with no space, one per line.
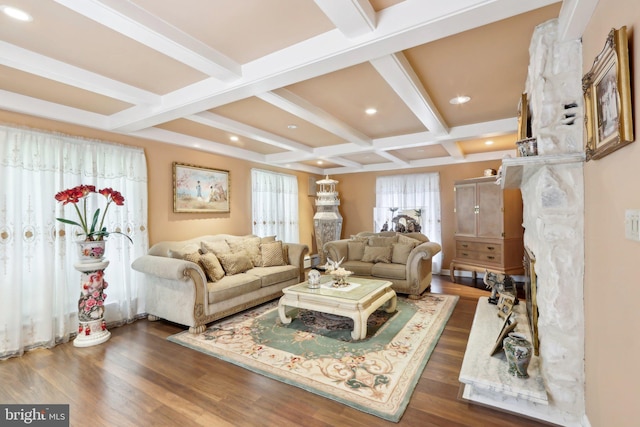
(200,189)
(607,98)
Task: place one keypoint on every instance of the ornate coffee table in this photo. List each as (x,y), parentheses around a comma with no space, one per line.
(358,301)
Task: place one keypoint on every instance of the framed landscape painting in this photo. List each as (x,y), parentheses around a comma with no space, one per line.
(200,189)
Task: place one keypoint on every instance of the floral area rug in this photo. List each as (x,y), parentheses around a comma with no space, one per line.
(315,351)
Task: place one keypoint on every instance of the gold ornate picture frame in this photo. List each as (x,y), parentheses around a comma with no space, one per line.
(607,98)
(200,189)
(524,118)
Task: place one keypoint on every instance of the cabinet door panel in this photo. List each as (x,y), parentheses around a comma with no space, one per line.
(489,197)
(465,199)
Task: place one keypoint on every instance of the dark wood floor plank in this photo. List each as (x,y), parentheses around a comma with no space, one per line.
(139,378)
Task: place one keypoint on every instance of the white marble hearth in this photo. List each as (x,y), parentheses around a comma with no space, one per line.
(482,373)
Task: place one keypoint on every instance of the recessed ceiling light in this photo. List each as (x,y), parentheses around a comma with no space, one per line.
(16,13)
(488,142)
(292,126)
(462,99)
(371,111)
(319,162)
(234,138)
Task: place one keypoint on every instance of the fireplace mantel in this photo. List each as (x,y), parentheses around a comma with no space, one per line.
(517,170)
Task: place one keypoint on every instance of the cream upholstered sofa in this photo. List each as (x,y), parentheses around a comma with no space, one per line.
(404,259)
(194,282)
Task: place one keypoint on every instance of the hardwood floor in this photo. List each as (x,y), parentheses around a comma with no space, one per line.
(138,378)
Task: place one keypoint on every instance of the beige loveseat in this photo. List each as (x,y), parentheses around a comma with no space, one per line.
(197,281)
(401,258)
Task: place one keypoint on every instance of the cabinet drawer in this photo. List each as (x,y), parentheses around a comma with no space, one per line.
(487,257)
(489,248)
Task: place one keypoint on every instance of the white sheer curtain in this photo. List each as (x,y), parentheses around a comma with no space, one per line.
(415,191)
(39,288)
(275,205)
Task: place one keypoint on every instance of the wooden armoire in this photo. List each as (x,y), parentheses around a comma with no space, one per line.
(488,228)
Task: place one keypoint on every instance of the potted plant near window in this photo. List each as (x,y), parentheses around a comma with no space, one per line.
(93,246)
(92,328)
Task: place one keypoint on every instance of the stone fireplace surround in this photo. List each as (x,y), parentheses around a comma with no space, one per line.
(553,201)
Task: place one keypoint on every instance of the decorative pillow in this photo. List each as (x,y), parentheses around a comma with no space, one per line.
(359,238)
(212,267)
(193,257)
(401,253)
(272,254)
(218,247)
(268,239)
(377,254)
(408,240)
(251,245)
(180,253)
(235,263)
(356,250)
(382,241)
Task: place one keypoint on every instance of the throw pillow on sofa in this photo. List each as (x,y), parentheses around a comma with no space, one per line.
(406,240)
(355,250)
(181,253)
(272,254)
(207,262)
(400,253)
(382,241)
(235,263)
(251,245)
(212,267)
(218,247)
(377,254)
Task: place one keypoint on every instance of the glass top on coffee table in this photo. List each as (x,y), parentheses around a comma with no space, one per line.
(358,288)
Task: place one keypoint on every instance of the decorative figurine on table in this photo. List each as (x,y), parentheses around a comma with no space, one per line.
(338,273)
(500,283)
(314,279)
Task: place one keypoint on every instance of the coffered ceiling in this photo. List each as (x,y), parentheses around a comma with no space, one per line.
(282,82)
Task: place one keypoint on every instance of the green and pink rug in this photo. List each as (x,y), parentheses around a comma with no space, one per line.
(315,352)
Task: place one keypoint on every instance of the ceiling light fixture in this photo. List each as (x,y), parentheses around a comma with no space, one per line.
(489,142)
(319,162)
(462,99)
(292,126)
(15,13)
(371,111)
(234,138)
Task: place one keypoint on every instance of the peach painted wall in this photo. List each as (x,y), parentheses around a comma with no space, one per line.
(164,224)
(358,198)
(612,273)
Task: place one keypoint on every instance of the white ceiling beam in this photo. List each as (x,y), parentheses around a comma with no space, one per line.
(136,23)
(397,72)
(422,163)
(289,157)
(11,101)
(574,17)
(299,107)
(52,69)
(395,159)
(217,121)
(196,143)
(453,148)
(407,24)
(344,162)
(456,133)
(352,17)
